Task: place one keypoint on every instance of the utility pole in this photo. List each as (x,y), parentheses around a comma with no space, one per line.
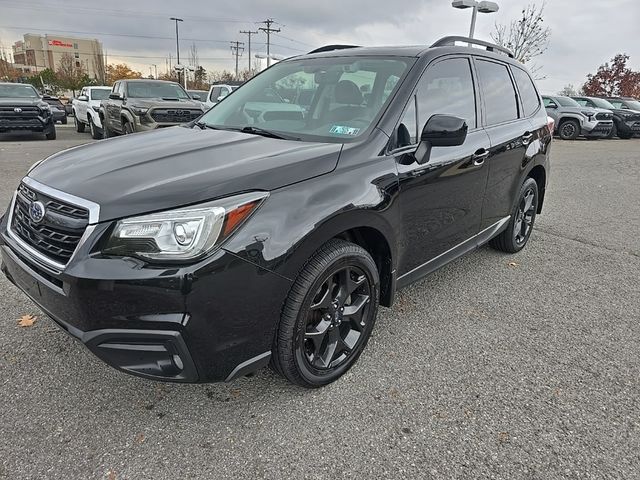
(177,42)
(155,67)
(249,33)
(237,51)
(268,30)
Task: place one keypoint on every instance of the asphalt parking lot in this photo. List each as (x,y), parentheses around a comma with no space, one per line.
(496,366)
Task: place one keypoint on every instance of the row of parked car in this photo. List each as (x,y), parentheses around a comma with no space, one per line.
(593,117)
(129,106)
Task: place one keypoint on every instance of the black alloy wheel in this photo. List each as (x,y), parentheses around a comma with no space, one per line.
(515,237)
(525,213)
(328,316)
(336,319)
(569,130)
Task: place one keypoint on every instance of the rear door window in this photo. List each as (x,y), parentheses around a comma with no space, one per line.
(446,88)
(499,95)
(528,93)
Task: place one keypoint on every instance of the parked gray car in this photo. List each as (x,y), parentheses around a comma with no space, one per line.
(572,119)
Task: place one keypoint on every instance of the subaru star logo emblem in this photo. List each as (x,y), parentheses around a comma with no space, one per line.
(36,211)
(17,110)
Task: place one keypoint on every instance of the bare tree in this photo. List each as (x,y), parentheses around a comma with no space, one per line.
(526,37)
(193,55)
(98,65)
(568,91)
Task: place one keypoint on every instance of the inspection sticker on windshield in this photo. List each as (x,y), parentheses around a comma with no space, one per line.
(341,130)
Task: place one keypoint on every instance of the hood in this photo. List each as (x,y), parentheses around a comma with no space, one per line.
(177,166)
(20,102)
(160,103)
(577,110)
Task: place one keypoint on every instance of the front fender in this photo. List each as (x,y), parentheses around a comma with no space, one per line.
(95,117)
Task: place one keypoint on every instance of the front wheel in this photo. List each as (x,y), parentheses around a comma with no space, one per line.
(79,125)
(51,134)
(520,226)
(64,120)
(95,133)
(328,316)
(569,130)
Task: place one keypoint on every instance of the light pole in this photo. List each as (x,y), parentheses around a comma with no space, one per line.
(155,67)
(482,7)
(177,42)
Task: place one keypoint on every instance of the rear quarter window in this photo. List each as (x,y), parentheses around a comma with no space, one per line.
(499,95)
(528,93)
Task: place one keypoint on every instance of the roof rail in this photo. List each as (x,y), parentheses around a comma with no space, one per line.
(451,41)
(328,48)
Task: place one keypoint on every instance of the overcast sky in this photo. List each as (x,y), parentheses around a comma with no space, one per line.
(585,33)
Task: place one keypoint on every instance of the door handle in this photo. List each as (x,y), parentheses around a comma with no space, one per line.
(480,156)
(526,138)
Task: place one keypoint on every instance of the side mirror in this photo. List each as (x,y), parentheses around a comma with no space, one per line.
(221,97)
(441,131)
(83,98)
(115,96)
(552,105)
(195,97)
(444,131)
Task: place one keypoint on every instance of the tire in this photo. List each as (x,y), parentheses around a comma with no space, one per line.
(523,217)
(95,133)
(79,125)
(569,130)
(127,128)
(625,136)
(317,341)
(64,121)
(106,131)
(51,135)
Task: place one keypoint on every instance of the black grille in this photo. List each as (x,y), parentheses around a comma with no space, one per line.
(604,116)
(174,115)
(58,234)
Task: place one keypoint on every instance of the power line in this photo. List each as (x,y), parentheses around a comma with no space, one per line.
(130,35)
(268,30)
(249,33)
(237,51)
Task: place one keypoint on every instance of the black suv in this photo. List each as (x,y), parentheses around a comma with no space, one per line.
(23,109)
(259,235)
(631,107)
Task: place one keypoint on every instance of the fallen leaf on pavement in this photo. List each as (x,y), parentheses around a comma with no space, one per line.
(514,264)
(140,438)
(27,320)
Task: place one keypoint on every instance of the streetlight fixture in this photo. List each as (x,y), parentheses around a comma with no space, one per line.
(177,41)
(482,7)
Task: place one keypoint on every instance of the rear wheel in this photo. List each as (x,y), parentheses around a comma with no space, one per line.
(520,226)
(127,128)
(328,316)
(569,130)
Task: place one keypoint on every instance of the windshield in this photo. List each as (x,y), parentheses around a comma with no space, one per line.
(318,99)
(155,90)
(632,104)
(602,103)
(567,102)
(99,94)
(18,91)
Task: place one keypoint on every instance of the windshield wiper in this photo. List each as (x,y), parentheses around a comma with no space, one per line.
(204,125)
(264,133)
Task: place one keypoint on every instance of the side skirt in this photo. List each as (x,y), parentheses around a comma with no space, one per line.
(441,260)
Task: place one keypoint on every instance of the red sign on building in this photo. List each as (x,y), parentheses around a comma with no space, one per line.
(59,43)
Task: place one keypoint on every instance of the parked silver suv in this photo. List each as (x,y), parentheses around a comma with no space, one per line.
(573,120)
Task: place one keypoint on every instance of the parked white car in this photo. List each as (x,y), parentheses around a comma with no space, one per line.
(217,93)
(86,108)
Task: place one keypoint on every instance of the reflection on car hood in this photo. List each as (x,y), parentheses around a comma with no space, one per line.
(160,103)
(176,166)
(20,102)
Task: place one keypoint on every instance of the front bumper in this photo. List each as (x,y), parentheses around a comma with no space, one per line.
(27,123)
(206,322)
(599,129)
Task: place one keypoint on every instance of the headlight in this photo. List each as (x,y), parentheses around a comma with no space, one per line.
(182,234)
(589,115)
(44,106)
(139,110)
